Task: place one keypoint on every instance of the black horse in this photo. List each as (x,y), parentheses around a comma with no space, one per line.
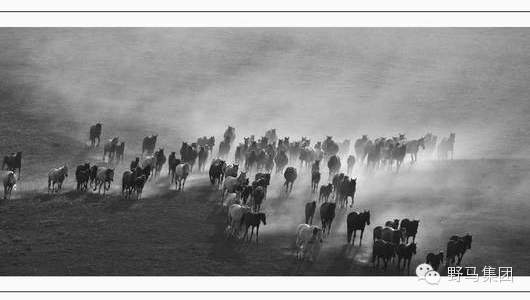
(252,219)
(13,162)
(327,214)
(357,221)
(82,176)
(95,133)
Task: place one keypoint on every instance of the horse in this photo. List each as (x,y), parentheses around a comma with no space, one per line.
(258,194)
(110,148)
(57,176)
(216,172)
(252,219)
(333,165)
(410,228)
(310,208)
(160,161)
(413,147)
(188,154)
(229,134)
(13,162)
(9,180)
(235,216)
(149,144)
(398,154)
(233,185)
(346,189)
(445,146)
(435,260)
(224,148)
(391,235)
(457,247)
(382,250)
(120,150)
(95,133)
(172,163)
(356,221)
(309,240)
(325,192)
(246,192)
(290,175)
(203,156)
(351,164)
(181,173)
(405,253)
(149,162)
(327,214)
(92,174)
(104,178)
(139,183)
(360,148)
(82,176)
(315,180)
(134,163)
(281,160)
(128,181)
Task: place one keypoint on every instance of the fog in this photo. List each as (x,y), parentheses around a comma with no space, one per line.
(186,82)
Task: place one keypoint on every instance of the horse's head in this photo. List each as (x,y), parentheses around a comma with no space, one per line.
(467,241)
(65,170)
(366,214)
(263,218)
(422,142)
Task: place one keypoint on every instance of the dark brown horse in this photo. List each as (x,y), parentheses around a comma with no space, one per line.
(310,208)
(252,219)
(13,162)
(405,253)
(95,133)
(357,221)
(456,248)
(435,260)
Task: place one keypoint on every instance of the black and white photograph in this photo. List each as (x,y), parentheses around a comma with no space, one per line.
(261,151)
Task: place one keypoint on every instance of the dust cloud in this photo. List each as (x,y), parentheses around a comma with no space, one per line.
(188,82)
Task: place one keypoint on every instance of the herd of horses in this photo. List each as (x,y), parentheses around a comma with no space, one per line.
(266,157)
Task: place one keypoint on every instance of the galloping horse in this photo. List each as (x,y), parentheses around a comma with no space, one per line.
(13,162)
(149,144)
(57,176)
(95,133)
(446,145)
(413,147)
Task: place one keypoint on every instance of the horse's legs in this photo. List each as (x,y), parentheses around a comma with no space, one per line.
(251,233)
(361,237)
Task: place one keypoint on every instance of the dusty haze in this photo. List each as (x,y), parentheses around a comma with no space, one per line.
(185,82)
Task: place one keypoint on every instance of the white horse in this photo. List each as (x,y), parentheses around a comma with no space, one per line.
(150,162)
(413,147)
(9,179)
(104,178)
(233,185)
(445,146)
(181,173)
(309,240)
(235,214)
(57,176)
